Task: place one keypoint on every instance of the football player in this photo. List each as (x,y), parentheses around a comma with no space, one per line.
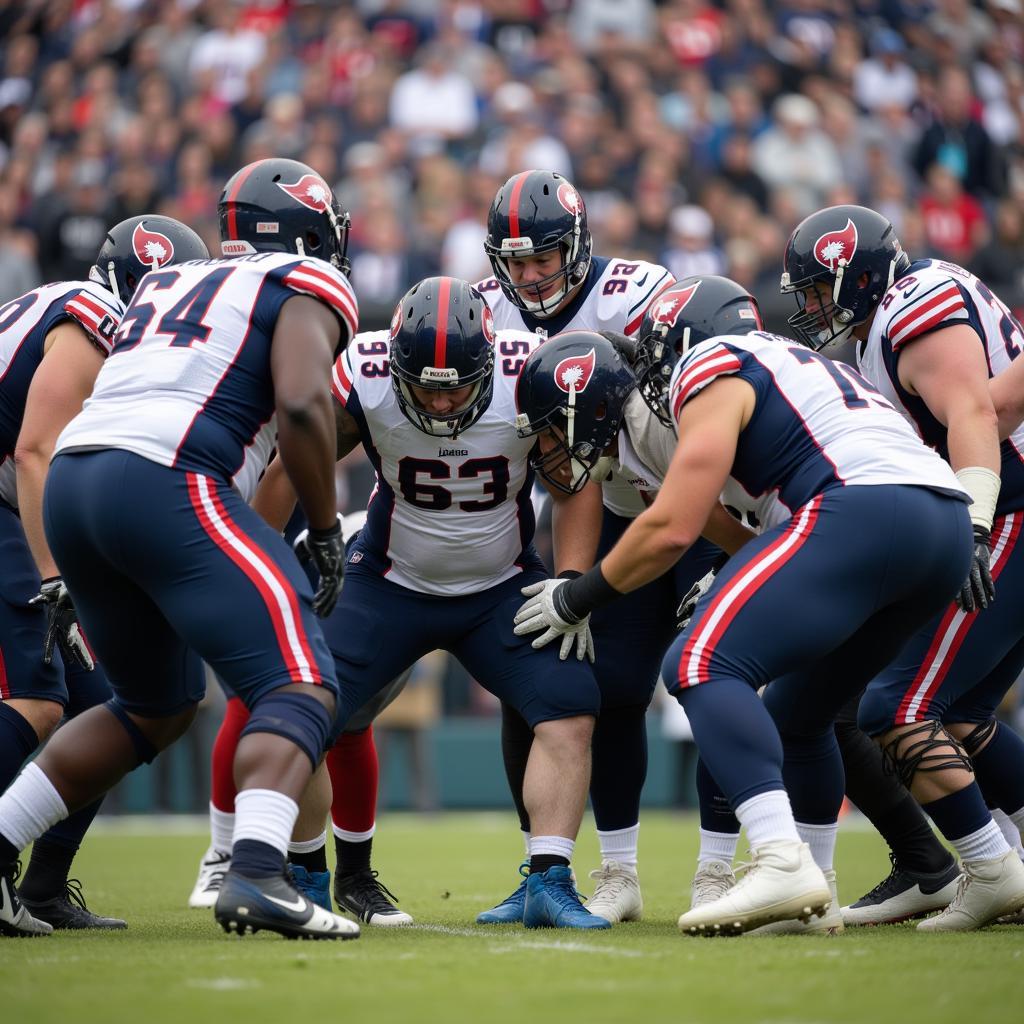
(929,335)
(214,362)
(53,341)
(447,545)
(547,281)
(875,518)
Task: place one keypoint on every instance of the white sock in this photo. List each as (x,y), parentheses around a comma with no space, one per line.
(620,845)
(1009,829)
(353,837)
(526,843)
(222,829)
(265,816)
(767,817)
(985,844)
(308,845)
(822,841)
(556,846)
(30,807)
(717,846)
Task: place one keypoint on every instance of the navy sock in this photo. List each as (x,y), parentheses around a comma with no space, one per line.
(736,736)
(813,772)
(540,862)
(315,860)
(17,741)
(254,859)
(619,768)
(8,853)
(715,813)
(53,853)
(960,813)
(999,769)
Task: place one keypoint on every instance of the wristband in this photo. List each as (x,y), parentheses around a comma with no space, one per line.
(983,487)
(575,600)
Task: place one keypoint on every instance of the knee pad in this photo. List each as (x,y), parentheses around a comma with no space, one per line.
(144,749)
(916,750)
(979,736)
(296,717)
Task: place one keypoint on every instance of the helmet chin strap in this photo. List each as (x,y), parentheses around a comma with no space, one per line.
(112,279)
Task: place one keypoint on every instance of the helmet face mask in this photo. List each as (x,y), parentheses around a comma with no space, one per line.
(571,395)
(280,205)
(681,316)
(140,244)
(838,264)
(537,213)
(442,341)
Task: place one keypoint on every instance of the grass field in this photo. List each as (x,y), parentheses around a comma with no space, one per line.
(175,965)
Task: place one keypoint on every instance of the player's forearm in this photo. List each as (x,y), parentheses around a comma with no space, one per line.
(1007,391)
(275,496)
(32,465)
(972,439)
(576,529)
(647,550)
(306,446)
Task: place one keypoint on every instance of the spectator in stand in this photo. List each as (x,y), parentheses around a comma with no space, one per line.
(1000,262)
(691,249)
(954,221)
(885,79)
(432,101)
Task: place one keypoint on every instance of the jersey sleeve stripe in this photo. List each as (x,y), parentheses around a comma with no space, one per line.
(924,316)
(329,290)
(700,374)
(341,382)
(91,315)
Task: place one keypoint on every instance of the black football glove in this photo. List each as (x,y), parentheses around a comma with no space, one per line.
(62,625)
(326,550)
(978,590)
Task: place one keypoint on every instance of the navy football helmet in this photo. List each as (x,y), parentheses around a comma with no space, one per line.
(575,385)
(538,212)
(280,205)
(849,256)
(141,244)
(442,339)
(683,315)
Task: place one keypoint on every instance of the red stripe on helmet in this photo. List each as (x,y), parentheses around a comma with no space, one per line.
(243,176)
(441,336)
(513,204)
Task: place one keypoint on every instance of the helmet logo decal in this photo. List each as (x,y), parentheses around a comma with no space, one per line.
(151,247)
(834,246)
(570,198)
(572,374)
(396,322)
(311,191)
(487,323)
(665,311)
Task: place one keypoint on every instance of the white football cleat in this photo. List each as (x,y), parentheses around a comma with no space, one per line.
(617,893)
(15,919)
(829,923)
(212,869)
(713,880)
(781,883)
(988,889)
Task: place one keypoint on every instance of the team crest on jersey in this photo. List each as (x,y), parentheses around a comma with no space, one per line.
(834,246)
(151,247)
(573,373)
(309,190)
(665,311)
(570,198)
(396,322)
(487,323)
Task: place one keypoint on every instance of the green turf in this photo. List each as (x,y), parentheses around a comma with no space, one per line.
(175,965)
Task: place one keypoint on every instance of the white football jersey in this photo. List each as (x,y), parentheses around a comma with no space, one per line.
(817,424)
(614,297)
(188,383)
(447,516)
(25,323)
(931,295)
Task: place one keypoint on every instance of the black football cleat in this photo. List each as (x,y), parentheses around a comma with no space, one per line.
(364,897)
(903,895)
(273,904)
(68,910)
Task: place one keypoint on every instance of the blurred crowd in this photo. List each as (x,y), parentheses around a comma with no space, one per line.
(698,132)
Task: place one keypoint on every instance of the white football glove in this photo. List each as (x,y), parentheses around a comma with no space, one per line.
(538,613)
(688,605)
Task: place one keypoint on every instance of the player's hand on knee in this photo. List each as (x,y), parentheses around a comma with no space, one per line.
(62,626)
(689,602)
(541,612)
(978,590)
(326,550)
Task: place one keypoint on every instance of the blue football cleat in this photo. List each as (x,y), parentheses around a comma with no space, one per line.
(509,910)
(314,885)
(553,902)
(272,904)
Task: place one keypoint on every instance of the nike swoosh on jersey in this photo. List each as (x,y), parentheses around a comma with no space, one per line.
(642,281)
(299,904)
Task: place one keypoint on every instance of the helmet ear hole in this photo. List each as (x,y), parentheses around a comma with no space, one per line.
(313,242)
(130,281)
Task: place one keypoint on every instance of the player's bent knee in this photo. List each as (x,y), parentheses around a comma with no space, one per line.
(566,733)
(299,717)
(146,748)
(923,747)
(43,715)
